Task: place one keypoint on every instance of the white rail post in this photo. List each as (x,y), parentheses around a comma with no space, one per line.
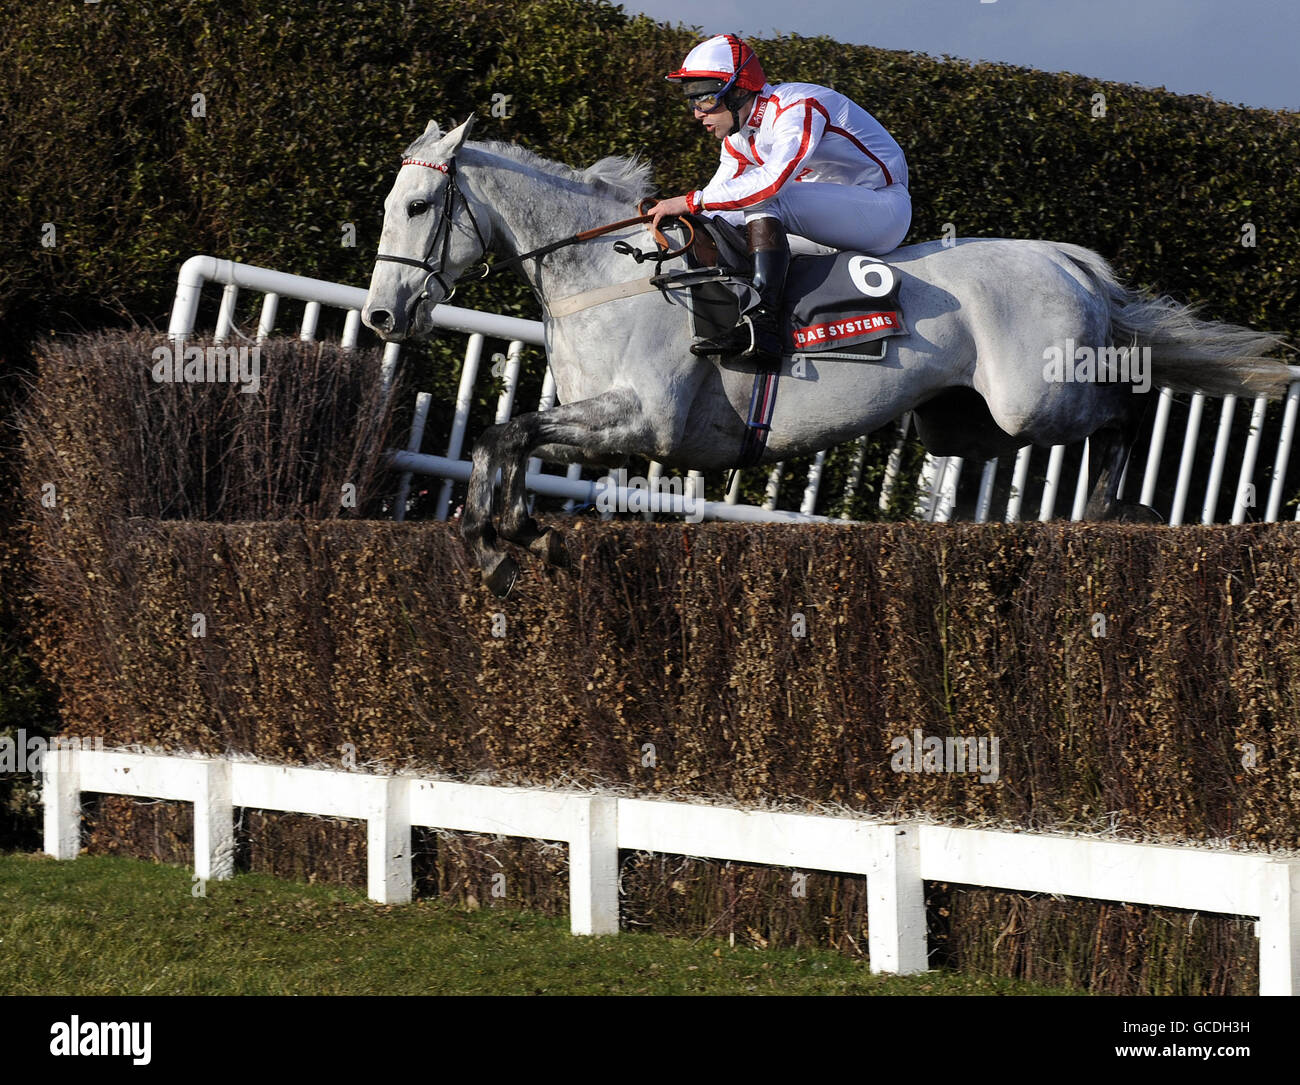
(214,823)
(893,463)
(946,494)
(1048,504)
(572,473)
(1245,497)
(927,486)
(1080,505)
(418,422)
(1211,506)
(506,401)
(266,322)
(460,420)
(1283,453)
(772,491)
(1279,930)
(388,840)
(1156,449)
(1185,461)
(310,318)
(1019,479)
(654,473)
(226,314)
(61,794)
(896,939)
(351,329)
(388,367)
(593,867)
(985,502)
(809,504)
(855,474)
(733,491)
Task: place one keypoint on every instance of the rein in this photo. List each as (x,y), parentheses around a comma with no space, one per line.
(443,234)
(586,235)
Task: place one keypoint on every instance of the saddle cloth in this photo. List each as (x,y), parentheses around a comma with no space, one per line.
(840,302)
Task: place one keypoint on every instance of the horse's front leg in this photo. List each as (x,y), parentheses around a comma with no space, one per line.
(608,425)
(476,529)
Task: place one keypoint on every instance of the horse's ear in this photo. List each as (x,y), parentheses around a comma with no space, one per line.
(432,126)
(452,141)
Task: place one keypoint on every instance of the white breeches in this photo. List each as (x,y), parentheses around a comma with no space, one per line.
(871,220)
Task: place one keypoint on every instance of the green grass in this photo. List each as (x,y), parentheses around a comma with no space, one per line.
(111,926)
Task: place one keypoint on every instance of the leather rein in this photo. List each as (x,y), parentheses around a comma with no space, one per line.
(442,237)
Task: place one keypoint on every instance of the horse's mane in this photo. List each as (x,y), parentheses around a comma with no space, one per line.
(626,178)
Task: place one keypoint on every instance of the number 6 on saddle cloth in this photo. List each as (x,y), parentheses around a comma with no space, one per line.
(842,305)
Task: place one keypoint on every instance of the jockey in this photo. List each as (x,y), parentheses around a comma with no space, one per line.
(795,157)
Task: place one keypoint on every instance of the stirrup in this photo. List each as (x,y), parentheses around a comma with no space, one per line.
(741,351)
(748,352)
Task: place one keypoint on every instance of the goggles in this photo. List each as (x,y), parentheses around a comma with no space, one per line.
(710,101)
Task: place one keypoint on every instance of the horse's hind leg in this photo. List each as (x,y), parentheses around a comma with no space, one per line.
(1108,452)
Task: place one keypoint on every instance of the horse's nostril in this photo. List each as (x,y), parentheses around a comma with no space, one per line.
(381,319)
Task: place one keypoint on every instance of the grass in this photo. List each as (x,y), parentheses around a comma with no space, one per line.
(111,926)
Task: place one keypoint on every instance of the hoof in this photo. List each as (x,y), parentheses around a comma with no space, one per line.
(549,546)
(500,578)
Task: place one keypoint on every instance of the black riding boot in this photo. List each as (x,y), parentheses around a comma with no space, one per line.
(759,332)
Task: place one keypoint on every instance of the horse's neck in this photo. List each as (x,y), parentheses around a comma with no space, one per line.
(531,209)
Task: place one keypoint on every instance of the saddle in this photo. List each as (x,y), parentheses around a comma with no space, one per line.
(836,305)
(842,305)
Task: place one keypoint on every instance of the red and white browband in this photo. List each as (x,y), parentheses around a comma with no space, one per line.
(419,162)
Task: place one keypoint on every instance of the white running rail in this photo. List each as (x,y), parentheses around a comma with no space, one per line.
(1056,489)
(895,857)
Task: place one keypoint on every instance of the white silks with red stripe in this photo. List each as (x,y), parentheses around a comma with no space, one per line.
(800,132)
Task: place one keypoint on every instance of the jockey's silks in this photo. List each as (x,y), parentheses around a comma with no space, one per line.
(801,132)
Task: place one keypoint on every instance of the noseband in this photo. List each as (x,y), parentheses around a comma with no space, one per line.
(441,236)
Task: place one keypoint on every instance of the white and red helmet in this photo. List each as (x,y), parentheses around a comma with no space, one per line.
(726,58)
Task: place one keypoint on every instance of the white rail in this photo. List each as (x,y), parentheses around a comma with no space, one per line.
(896,858)
(941,477)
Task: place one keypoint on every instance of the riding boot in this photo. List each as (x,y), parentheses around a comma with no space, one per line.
(759,331)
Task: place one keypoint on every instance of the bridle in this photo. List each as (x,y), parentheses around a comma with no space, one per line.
(441,235)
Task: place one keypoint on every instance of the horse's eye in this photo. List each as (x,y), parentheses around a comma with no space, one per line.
(416,207)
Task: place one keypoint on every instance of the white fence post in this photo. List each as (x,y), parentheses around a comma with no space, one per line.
(214,823)
(388,840)
(896,940)
(593,868)
(61,794)
(1279,930)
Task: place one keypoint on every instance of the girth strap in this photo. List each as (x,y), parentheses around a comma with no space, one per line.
(762,403)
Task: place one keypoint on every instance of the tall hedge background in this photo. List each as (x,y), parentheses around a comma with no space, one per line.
(308,106)
(305,110)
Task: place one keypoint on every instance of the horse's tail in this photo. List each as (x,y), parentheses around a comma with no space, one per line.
(1187,353)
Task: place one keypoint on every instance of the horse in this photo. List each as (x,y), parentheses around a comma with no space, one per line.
(986,320)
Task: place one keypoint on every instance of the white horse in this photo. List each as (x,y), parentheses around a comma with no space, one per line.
(993,329)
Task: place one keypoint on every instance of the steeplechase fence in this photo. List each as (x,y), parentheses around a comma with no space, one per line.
(896,858)
(948,487)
